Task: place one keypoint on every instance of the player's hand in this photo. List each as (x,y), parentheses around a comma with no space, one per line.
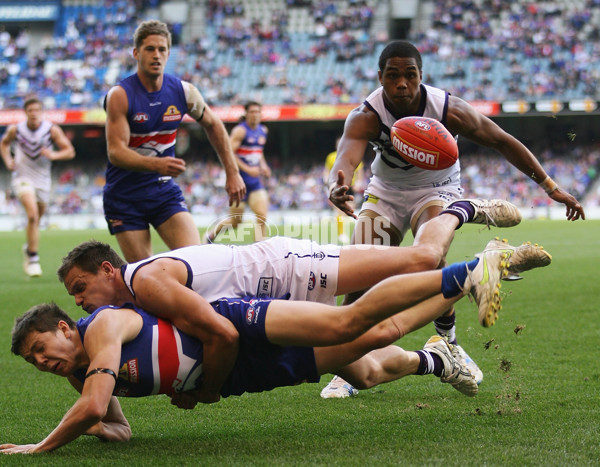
(10,164)
(574,208)
(170,166)
(17,448)
(47,153)
(184,400)
(266,171)
(236,189)
(338,195)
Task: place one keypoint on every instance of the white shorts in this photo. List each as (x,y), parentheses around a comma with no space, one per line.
(22,185)
(403,207)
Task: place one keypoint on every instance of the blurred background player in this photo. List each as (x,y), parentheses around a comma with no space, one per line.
(31,167)
(144,111)
(248,139)
(400,196)
(358,180)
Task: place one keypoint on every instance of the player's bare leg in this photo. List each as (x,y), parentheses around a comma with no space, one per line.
(258,201)
(179,230)
(34,211)
(135,244)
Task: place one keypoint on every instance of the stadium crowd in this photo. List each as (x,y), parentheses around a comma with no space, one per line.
(78,187)
(496,49)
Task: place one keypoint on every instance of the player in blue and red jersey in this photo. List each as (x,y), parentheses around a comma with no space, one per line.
(144,111)
(126,352)
(248,140)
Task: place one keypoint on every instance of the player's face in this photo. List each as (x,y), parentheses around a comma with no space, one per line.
(54,352)
(253,115)
(91,291)
(152,55)
(401,81)
(34,115)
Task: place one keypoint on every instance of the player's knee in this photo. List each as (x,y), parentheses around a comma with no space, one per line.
(427,257)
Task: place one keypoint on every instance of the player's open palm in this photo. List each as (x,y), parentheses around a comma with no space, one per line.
(574,208)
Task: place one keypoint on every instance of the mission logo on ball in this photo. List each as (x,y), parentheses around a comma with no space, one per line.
(424,142)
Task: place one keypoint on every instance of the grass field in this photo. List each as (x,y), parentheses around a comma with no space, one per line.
(539,403)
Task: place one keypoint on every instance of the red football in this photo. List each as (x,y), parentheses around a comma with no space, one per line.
(424,142)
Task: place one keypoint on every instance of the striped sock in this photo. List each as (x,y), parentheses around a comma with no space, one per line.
(429,363)
(464,210)
(445,326)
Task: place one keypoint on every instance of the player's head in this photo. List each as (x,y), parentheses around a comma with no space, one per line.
(253,112)
(90,273)
(400,49)
(150,28)
(33,110)
(400,75)
(36,330)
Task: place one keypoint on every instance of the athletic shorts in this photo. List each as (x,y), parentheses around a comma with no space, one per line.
(403,207)
(252,184)
(22,185)
(262,366)
(138,214)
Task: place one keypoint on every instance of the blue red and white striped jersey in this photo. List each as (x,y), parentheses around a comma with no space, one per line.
(251,149)
(153,118)
(160,360)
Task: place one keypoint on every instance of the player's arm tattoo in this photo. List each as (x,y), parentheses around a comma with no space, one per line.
(195,101)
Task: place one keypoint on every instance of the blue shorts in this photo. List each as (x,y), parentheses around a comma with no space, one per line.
(262,366)
(138,214)
(252,184)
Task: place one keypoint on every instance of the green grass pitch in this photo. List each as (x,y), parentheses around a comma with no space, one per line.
(539,403)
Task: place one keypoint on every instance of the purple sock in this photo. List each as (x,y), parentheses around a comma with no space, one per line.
(444,326)
(429,363)
(464,210)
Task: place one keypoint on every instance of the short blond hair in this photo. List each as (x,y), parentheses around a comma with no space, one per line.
(150,28)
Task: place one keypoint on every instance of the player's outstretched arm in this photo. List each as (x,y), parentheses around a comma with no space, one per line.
(160,290)
(217,135)
(464,120)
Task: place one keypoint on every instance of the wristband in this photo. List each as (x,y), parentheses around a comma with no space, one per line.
(96,371)
(549,185)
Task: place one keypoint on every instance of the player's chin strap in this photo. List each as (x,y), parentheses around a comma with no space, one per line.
(96,371)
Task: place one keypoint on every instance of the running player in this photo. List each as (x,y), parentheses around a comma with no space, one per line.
(30,165)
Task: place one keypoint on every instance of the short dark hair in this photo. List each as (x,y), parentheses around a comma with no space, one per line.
(41,318)
(31,100)
(89,256)
(252,104)
(401,49)
(150,28)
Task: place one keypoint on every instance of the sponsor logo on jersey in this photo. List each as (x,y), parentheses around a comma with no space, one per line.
(311,281)
(370,199)
(319,255)
(129,371)
(415,154)
(115,222)
(152,104)
(141,117)
(323,281)
(265,286)
(172,114)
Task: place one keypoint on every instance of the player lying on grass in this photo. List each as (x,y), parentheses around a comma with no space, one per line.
(127,352)
(180,284)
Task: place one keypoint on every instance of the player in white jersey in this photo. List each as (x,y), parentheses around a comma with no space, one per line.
(30,165)
(401,196)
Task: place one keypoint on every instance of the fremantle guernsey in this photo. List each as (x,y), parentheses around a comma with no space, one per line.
(29,163)
(270,268)
(153,119)
(388,165)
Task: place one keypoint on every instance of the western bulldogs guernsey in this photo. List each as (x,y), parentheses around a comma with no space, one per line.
(29,163)
(153,119)
(160,360)
(388,165)
(271,268)
(250,152)
(163,360)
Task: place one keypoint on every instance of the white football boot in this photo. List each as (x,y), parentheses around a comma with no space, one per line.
(465,360)
(454,372)
(338,388)
(496,212)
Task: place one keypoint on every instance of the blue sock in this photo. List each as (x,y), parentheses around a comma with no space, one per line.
(454,276)
(464,210)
